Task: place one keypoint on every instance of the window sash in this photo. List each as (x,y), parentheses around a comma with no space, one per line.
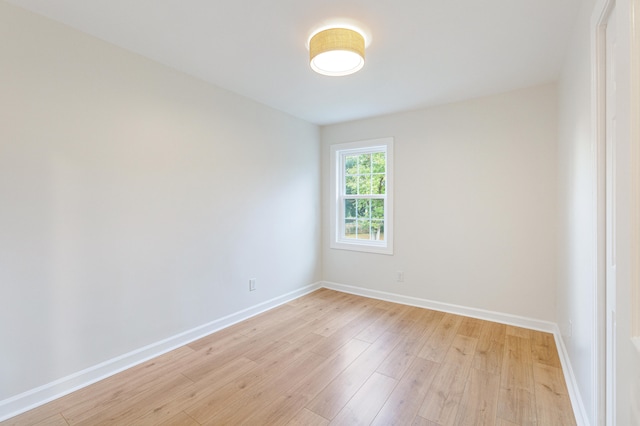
(343,196)
(363,167)
(342,235)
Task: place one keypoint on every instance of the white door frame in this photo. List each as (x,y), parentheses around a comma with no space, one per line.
(635,172)
(635,199)
(626,9)
(601,14)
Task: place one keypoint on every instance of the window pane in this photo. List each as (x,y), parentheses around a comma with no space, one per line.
(378,162)
(351,185)
(350,209)
(364,208)
(378,184)
(365,163)
(364,185)
(377,209)
(350,229)
(351,165)
(377,230)
(364,229)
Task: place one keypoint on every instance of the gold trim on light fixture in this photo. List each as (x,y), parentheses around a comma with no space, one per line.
(336,51)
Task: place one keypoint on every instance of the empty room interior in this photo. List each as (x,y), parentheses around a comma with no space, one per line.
(203,222)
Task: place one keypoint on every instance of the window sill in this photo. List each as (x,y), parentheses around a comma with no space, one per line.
(365,248)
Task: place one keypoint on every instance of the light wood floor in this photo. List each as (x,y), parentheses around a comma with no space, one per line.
(339,359)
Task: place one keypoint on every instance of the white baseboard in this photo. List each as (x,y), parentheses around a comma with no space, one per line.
(41,395)
(572,386)
(518,321)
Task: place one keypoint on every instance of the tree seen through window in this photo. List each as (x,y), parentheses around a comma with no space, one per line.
(365,181)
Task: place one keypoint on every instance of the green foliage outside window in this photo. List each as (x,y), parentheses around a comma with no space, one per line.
(365,174)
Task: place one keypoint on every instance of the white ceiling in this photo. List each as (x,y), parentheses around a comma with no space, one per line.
(422,52)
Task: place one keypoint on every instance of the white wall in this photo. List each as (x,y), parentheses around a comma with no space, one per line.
(475,204)
(135,202)
(576,192)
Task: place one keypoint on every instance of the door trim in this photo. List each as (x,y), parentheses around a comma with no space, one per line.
(635,172)
(601,12)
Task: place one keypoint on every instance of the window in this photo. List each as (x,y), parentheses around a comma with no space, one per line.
(361,198)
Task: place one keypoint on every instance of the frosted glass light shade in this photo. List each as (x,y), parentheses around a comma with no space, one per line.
(336,52)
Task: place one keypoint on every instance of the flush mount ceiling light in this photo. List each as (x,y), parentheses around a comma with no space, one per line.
(336,51)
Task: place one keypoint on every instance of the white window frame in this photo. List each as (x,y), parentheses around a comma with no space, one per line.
(338,153)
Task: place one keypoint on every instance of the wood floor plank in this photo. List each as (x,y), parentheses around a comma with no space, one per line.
(262,392)
(471,327)
(517,401)
(217,342)
(517,406)
(426,320)
(489,355)
(135,407)
(544,351)
(428,325)
(294,399)
(366,403)
(263,348)
(445,394)
(406,321)
(158,412)
(276,363)
(396,364)
(517,367)
(382,324)
(163,411)
(553,406)
(262,322)
(479,403)
(502,422)
(260,344)
(109,393)
(205,406)
(329,370)
(213,337)
(218,353)
(312,306)
(406,399)
(518,332)
(37,415)
(180,419)
(334,322)
(494,331)
(461,351)
(307,418)
(335,356)
(421,421)
(56,420)
(438,343)
(347,332)
(336,395)
(399,360)
(255,347)
(490,350)
(312,311)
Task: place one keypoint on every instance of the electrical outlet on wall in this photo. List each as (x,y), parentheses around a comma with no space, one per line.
(252,284)
(400,276)
(566,329)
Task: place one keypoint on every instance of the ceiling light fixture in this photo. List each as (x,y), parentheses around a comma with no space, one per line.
(336,51)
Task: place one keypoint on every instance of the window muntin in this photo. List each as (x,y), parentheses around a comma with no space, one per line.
(361,207)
